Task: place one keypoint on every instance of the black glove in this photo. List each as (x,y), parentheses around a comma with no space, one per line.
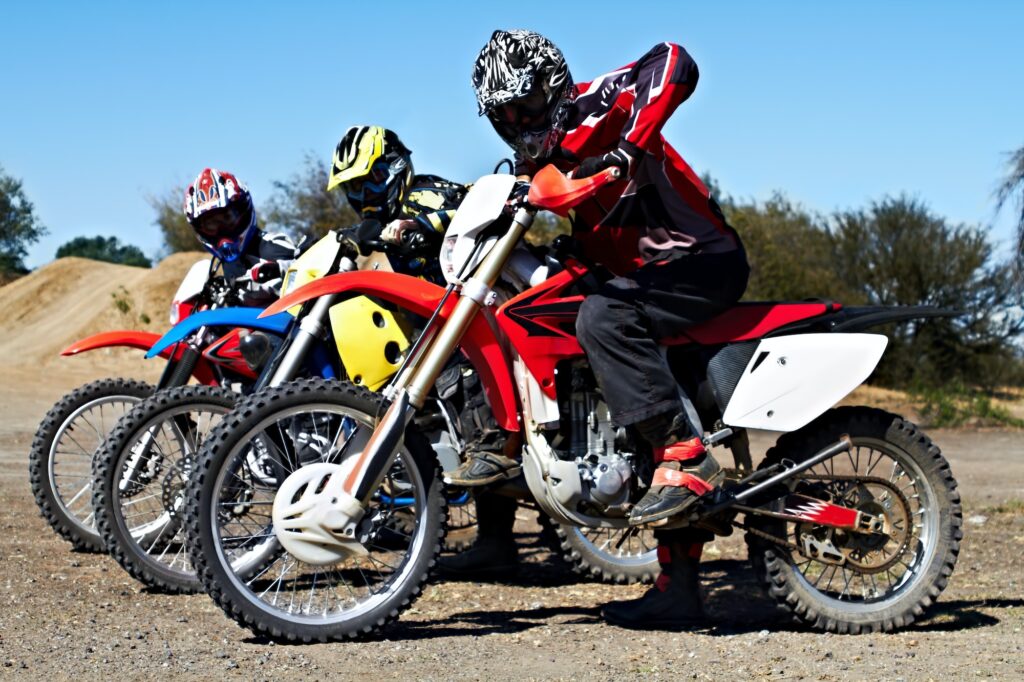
(592,165)
(517,199)
(364,238)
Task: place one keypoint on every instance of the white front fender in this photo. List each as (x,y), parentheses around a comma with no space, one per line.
(790,380)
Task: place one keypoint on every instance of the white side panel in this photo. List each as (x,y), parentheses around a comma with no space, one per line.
(790,380)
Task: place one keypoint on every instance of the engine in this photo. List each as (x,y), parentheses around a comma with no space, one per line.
(602,455)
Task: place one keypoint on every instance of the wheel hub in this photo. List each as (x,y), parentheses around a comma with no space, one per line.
(314,519)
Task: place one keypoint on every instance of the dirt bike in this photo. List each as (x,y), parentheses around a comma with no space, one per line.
(139,513)
(139,470)
(853,520)
(62,451)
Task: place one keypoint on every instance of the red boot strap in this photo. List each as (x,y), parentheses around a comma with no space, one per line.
(680,452)
(662,581)
(680,479)
(695,550)
(664,555)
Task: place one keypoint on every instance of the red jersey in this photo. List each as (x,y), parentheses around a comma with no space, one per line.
(663,209)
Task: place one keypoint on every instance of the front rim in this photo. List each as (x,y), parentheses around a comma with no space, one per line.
(897,568)
(149,483)
(69,464)
(239,514)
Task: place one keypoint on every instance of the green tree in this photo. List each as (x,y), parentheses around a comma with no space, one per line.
(1012,189)
(107,249)
(788,250)
(19,226)
(177,233)
(897,252)
(546,226)
(302,206)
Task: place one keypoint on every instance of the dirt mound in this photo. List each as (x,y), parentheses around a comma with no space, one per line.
(45,311)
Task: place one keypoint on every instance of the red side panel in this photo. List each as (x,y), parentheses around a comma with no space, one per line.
(421,298)
(749,321)
(140,340)
(227,352)
(541,325)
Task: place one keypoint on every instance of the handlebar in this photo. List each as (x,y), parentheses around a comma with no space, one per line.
(554,191)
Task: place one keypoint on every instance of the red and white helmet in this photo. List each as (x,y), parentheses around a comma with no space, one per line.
(219,208)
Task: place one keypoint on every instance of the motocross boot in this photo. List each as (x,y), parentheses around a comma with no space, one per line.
(686,471)
(674,601)
(487,461)
(494,553)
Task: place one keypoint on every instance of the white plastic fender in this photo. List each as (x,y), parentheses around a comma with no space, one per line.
(790,380)
(481,207)
(190,287)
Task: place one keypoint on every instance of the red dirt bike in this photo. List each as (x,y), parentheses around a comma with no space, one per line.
(852,521)
(61,455)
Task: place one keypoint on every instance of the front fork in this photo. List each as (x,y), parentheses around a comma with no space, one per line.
(411,387)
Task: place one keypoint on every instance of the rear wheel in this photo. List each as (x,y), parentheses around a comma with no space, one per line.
(853,582)
(320,426)
(60,461)
(139,483)
(613,555)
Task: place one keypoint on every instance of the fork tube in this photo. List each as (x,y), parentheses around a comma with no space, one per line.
(451,333)
(382,448)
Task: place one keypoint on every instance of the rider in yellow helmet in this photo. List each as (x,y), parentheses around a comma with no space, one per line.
(398,207)
(412,212)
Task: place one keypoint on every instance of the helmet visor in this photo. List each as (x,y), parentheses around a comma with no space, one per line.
(531,113)
(227,222)
(373,185)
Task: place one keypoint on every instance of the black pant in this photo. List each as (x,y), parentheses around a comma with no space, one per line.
(619,327)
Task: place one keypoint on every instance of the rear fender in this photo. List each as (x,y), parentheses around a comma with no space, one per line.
(421,298)
(249,318)
(202,373)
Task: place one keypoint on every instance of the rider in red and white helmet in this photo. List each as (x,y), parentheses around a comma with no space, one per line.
(220,210)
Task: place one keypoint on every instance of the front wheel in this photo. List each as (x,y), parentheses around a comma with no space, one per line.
(612,555)
(61,458)
(854,582)
(139,478)
(255,451)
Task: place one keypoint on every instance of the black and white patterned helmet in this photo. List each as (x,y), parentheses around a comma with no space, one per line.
(513,65)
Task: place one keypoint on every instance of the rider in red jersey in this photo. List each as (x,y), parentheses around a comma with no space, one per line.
(676,260)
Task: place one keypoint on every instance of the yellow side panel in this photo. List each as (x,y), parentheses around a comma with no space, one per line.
(371,341)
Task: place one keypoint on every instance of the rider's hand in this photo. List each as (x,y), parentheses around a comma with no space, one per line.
(517,199)
(264,271)
(396,230)
(592,165)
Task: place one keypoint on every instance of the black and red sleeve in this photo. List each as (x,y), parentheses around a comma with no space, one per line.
(661,80)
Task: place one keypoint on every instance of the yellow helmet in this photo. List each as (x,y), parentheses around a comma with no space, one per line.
(375,170)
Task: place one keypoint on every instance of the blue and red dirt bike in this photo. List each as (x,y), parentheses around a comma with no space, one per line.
(853,519)
(211,353)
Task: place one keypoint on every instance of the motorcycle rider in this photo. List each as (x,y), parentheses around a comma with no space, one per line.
(675,259)
(220,211)
(374,169)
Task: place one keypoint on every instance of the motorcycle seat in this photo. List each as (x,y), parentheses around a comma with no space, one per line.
(746,321)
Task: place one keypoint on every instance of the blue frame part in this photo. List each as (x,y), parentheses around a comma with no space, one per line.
(221,317)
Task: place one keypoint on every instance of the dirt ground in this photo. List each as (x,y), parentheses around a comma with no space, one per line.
(65,614)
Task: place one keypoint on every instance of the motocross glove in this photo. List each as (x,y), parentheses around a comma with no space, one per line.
(367,236)
(592,165)
(264,271)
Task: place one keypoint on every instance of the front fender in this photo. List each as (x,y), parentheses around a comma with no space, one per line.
(121,338)
(141,341)
(421,298)
(250,318)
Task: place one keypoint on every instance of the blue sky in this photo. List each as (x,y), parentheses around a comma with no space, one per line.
(107,103)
